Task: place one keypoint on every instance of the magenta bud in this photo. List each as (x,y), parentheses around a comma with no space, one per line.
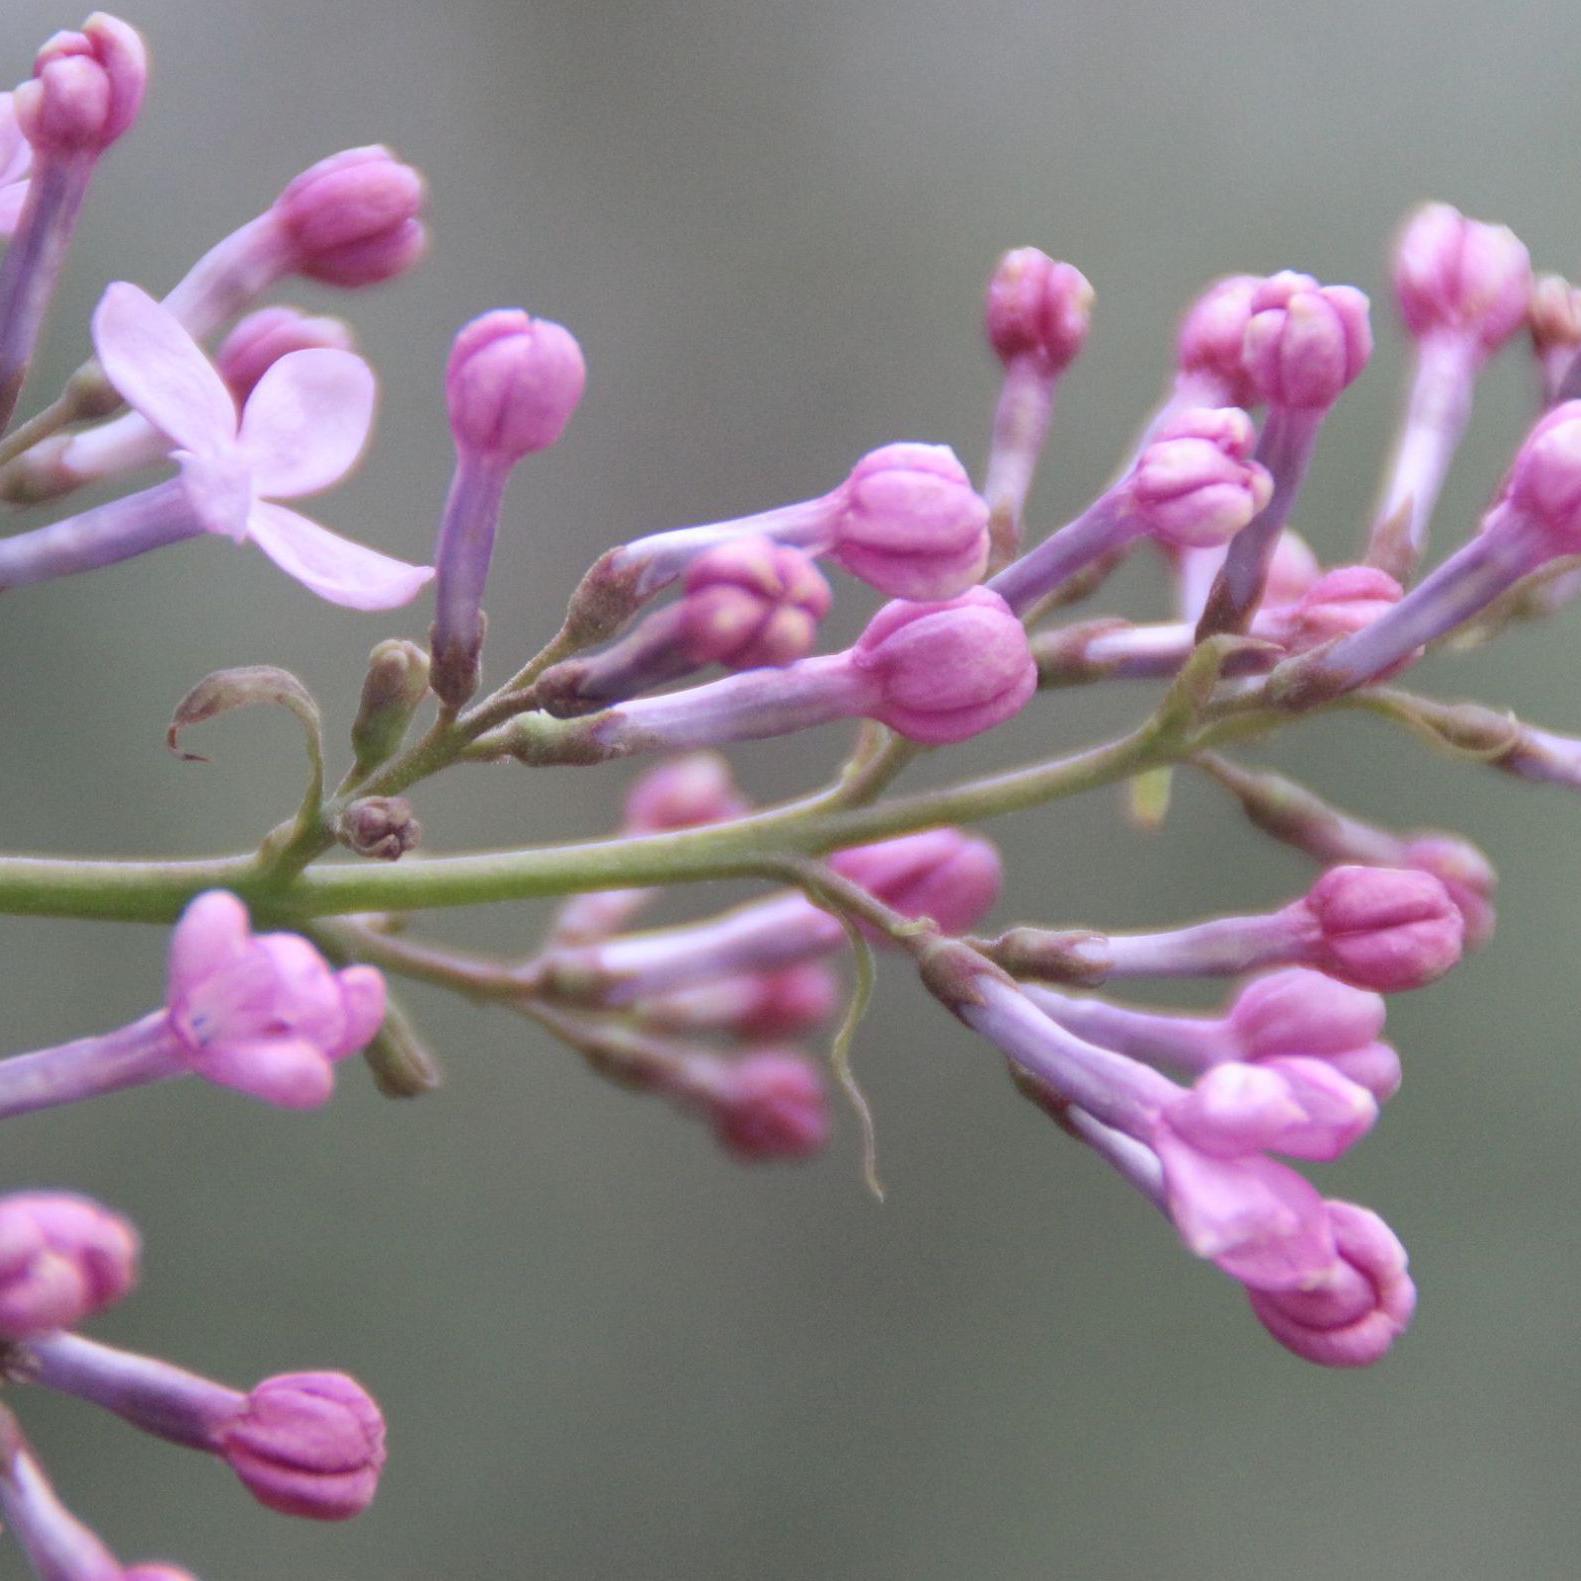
(511,384)
(1466,873)
(264,1013)
(1461,276)
(353,219)
(308,1444)
(770,1105)
(62,1258)
(947,875)
(1213,333)
(791,1000)
(908,522)
(1545,479)
(1385,928)
(1300,1106)
(751,603)
(86,88)
(1037,310)
(261,339)
(1196,485)
(1304,345)
(1337,604)
(1351,1315)
(1299,1013)
(683,793)
(947,672)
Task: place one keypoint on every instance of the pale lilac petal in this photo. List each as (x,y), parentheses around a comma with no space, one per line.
(307,421)
(161,371)
(219,492)
(288,1072)
(334,567)
(213,931)
(363,997)
(1259,1221)
(12,198)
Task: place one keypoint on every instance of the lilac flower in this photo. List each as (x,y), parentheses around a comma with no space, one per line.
(264,1014)
(302,429)
(352,220)
(1463,289)
(16,161)
(1193,485)
(748,604)
(1302,346)
(511,385)
(947,875)
(1036,319)
(1285,1017)
(906,521)
(63,462)
(309,1444)
(62,1258)
(1386,929)
(1536,518)
(85,93)
(934,673)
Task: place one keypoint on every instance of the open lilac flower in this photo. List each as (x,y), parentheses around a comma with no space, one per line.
(16,160)
(263,1013)
(303,428)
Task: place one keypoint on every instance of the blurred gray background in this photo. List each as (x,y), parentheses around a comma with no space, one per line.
(605,1351)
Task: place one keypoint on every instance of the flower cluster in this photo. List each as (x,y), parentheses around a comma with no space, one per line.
(1202,1114)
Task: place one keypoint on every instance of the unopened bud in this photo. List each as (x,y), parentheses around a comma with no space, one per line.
(261,339)
(1456,274)
(353,219)
(1037,309)
(396,683)
(1304,346)
(86,88)
(402,1065)
(512,384)
(383,827)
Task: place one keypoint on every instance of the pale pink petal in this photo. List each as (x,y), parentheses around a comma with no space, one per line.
(1259,1221)
(161,371)
(307,421)
(12,198)
(219,492)
(334,567)
(363,996)
(288,1072)
(213,931)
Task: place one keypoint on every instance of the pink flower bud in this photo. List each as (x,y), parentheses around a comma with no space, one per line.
(752,1005)
(1385,928)
(1545,479)
(86,88)
(1038,310)
(908,522)
(1459,275)
(947,672)
(512,384)
(261,339)
(683,793)
(1338,603)
(308,1444)
(62,1258)
(1303,1107)
(947,875)
(1196,486)
(353,219)
(1352,1314)
(770,1105)
(1303,346)
(1213,332)
(752,602)
(1308,1015)
(1466,873)
(264,1014)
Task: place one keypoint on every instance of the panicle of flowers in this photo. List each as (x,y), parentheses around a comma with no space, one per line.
(1201,1113)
